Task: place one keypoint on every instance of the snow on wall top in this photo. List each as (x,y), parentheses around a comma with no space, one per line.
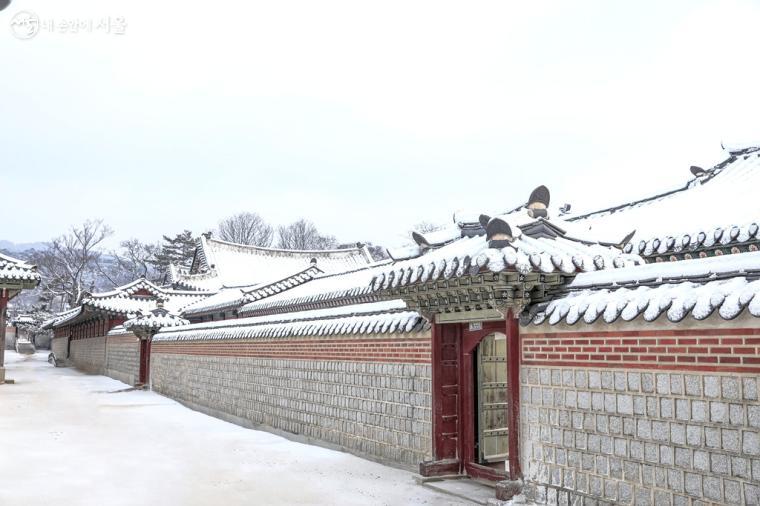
(699,287)
(12,269)
(717,199)
(386,317)
(220,263)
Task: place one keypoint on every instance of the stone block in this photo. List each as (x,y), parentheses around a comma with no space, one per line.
(666,408)
(751,442)
(712,437)
(647,382)
(749,388)
(675,480)
(693,385)
(730,388)
(741,467)
(637,450)
(694,435)
(676,384)
(662,498)
(712,488)
(753,416)
(699,411)
(625,404)
(732,492)
(683,458)
(693,484)
(718,412)
(751,494)
(730,440)
(678,433)
(642,496)
(631,471)
(660,431)
(720,463)
(683,412)
(663,384)
(701,461)
(594,380)
(712,386)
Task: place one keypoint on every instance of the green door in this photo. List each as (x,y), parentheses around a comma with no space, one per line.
(492,399)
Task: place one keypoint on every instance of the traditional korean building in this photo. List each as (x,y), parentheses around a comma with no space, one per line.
(91,336)
(15,275)
(241,273)
(611,357)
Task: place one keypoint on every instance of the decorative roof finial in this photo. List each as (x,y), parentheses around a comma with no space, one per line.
(538,202)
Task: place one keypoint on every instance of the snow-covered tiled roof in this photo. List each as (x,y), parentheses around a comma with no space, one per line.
(385,317)
(234,297)
(220,263)
(154,319)
(14,270)
(353,286)
(716,205)
(129,300)
(726,284)
(539,245)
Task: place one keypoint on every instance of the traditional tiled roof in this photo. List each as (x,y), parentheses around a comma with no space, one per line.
(128,300)
(14,270)
(386,317)
(220,263)
(713,211)
(537,245)
(329,290)
(699,287)
(153,320)
(234,297)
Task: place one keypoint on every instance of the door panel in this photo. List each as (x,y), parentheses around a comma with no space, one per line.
(492,398)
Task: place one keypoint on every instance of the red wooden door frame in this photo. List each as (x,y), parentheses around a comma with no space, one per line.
(453,388)
(144,375)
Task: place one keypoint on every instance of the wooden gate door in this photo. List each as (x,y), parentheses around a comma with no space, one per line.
(492,399)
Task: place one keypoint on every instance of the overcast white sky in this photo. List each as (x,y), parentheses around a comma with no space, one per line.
(363,117)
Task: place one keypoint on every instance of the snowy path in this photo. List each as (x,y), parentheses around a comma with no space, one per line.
(65,439)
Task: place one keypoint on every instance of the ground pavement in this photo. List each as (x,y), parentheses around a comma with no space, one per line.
(72,439)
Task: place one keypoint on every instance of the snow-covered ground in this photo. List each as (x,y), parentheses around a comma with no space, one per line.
(72,439)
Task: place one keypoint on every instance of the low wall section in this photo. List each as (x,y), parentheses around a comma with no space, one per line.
(115,356)
(60,347)
(368,395)
(123,358)
(644,413)
(89,355)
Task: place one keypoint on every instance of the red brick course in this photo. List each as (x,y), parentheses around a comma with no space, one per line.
(714,350)
(412,351)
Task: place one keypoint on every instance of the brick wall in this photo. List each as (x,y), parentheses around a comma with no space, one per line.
(89,355)
(368,396)
(123,358)
(635,428)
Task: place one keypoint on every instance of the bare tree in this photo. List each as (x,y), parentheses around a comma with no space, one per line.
(70,264)
(246,228)
(303,235)
(135,259)
(424,227)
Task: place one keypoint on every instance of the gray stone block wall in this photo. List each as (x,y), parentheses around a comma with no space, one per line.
(123,359)
(59,346)
(596,436)
(377,410)
(89,355)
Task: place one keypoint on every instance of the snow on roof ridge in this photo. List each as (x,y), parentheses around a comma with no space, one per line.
(684,270)
(709,174)
(293,252)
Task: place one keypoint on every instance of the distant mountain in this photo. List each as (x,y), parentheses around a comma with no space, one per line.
(22,246)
